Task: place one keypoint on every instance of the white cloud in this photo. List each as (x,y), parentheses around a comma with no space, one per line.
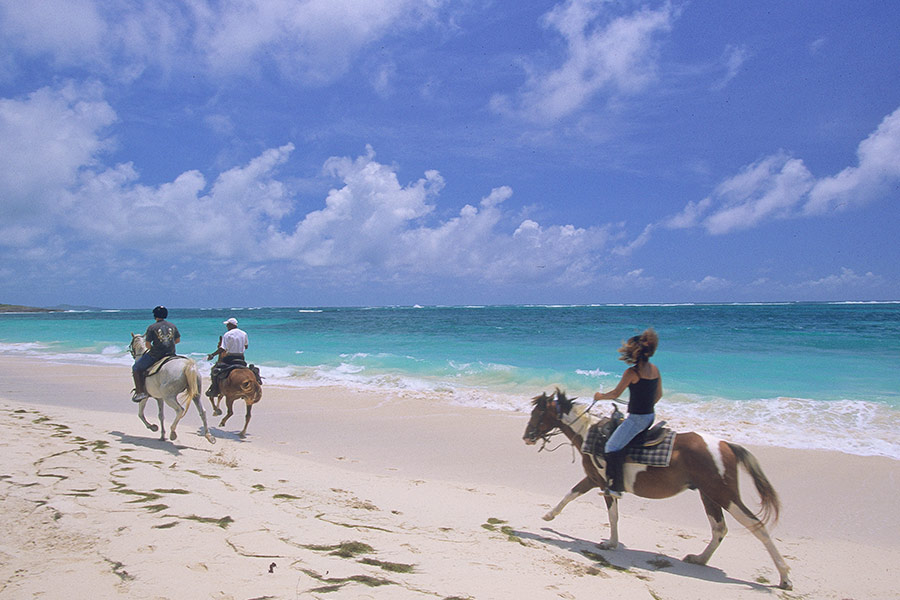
(71,31)
(45,139)
(847,278)
(768,189)
(733,59)
(878,169)
(617,56)
(780,186)
(313,42)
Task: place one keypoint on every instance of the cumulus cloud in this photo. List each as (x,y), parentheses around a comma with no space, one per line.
(780,186)
(45,139)
(615,56)
(369,226)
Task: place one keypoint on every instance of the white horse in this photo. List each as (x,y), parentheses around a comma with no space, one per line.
(178,375)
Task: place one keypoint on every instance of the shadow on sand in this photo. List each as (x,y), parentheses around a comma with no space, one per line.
(627,559)
(154,443)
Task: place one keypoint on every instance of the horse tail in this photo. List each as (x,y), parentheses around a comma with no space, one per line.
(192,375)
(769,498)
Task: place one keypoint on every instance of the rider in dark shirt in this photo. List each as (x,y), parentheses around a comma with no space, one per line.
(161,337)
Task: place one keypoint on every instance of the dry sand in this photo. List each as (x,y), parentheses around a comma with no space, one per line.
(343,494)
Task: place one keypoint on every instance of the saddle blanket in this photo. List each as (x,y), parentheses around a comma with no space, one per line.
(655,456)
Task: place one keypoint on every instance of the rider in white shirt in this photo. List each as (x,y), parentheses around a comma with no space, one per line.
(230,351)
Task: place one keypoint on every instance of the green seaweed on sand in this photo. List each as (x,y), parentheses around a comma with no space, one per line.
(222,522)
(603,562)
(344,549)
(336,583)
(388,566)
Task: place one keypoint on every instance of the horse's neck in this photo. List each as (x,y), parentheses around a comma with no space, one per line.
(578,419)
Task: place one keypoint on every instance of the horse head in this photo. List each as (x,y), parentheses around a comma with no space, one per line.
(545,415)
(138,346)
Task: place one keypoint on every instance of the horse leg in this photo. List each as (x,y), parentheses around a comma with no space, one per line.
(216,403)
(229,404)
(612,510)
(719,529)
(162,425)
(582,487)
(197,402)
(746,518)
(243,432)
(147,424)
(180,411)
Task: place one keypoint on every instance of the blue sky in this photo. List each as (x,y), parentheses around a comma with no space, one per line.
(324,152)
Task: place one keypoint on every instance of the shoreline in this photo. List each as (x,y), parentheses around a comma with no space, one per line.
(452,485)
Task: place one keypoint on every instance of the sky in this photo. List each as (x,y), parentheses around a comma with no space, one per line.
(394,152)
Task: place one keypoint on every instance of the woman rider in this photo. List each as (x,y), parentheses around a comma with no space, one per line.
(645,389)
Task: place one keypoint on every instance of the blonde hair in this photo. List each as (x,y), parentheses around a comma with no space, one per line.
(639,348)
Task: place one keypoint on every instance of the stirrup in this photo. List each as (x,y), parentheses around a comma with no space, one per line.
(136,397)
(612,493)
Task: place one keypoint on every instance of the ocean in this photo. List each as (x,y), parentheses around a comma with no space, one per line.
(800,375)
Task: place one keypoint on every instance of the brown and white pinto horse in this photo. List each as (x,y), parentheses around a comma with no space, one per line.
(698,462)
(240,383)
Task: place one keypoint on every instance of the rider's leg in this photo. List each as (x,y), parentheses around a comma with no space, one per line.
(614,451)
(139,374)
(213,391)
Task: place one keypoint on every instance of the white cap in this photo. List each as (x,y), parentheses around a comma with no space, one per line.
(231,321)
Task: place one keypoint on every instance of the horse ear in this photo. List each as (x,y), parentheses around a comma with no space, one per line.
(132,335)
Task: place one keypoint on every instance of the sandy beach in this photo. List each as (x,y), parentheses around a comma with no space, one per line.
(344,494)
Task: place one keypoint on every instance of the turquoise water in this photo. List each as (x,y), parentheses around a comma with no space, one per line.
(802,374)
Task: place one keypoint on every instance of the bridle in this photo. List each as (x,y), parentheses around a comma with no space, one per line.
(550,404)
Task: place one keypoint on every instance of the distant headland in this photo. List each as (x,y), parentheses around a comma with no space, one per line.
(15,308)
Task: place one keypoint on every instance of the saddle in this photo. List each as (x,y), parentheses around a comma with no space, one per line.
(155,367)
(223,370)
(652,446)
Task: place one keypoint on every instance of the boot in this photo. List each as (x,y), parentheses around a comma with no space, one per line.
(213,391)
(615,478)
(140,393)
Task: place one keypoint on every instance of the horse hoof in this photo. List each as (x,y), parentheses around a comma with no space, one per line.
(216,412)
(607,545)
(210,438)
(786,584)
(173,437)
(693,559)
(242,435)
(548,517)
(153,428)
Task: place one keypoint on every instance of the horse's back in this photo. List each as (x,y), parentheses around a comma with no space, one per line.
(172,376)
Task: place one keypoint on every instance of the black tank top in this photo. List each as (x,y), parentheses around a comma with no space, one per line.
(642,396)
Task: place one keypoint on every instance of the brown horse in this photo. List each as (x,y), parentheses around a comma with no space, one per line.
(698,462)
(240,383)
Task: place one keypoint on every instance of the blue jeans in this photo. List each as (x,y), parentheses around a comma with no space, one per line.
(624,433)
(143,363)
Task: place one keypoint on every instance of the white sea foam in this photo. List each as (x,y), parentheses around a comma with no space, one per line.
(851,426)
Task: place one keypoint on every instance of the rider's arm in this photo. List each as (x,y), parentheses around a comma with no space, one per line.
(659,391)
(627,377)
(219,350)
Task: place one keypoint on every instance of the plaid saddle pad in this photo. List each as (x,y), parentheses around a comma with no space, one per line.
(654,456)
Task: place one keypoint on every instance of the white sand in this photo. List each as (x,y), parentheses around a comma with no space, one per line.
(436,501)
